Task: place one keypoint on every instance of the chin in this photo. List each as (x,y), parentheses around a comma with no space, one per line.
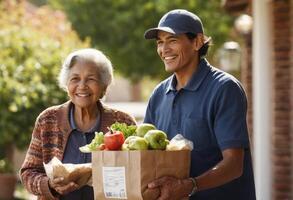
(169,69)
(84,104)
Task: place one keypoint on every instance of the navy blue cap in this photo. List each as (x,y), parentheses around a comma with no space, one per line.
(176,22)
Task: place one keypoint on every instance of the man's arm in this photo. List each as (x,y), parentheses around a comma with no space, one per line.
(228,169)
(225,171)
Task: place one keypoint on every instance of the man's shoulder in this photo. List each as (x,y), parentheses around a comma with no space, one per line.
(225,84)
(222,78)
(163,86)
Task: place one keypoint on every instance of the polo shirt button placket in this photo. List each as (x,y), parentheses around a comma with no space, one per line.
(174,115)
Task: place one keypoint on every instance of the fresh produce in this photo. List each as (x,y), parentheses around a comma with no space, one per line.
(142,137)
(127,130)
(113,140)
(96,144)
(156,139)
(135,143)
(143,128)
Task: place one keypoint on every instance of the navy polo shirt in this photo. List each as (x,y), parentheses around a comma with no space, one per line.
(72,154)
(211,112)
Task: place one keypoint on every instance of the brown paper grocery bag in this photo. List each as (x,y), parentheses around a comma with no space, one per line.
(125,174)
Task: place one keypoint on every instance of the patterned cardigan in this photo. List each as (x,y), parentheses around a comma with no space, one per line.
(49,139)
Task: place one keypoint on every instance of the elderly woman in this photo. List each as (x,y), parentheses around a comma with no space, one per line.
(60,130)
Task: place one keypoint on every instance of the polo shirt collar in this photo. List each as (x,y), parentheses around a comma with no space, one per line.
(198,76)
(171,84)
(196,79)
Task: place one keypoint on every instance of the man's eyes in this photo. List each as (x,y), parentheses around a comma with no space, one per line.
(159,42)
(169,41)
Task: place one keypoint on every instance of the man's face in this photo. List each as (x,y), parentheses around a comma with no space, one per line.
(177,52)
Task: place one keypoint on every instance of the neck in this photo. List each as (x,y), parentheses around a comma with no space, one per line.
(85,118)
(184,75)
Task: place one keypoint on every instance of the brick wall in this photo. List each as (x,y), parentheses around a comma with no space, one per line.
(281,96)
(246,80)
(291,91)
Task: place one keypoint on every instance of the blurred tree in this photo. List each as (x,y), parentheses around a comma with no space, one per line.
(117,27)
(33,42)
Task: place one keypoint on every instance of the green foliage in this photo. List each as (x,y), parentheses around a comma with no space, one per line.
(5,166)
(117,27)
(30,58)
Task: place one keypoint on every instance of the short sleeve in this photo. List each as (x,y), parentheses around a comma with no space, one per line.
(230,116)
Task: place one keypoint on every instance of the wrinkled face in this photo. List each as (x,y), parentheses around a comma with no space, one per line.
(84,88)
(176,51)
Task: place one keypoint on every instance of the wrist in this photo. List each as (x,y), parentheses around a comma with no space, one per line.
(194,186)
(52,189)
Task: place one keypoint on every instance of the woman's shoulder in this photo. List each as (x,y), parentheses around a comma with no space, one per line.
(53,111)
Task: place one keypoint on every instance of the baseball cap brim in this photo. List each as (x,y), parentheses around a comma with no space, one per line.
(153,32)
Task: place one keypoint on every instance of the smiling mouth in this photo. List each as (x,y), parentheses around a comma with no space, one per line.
(169,58)
(83,95)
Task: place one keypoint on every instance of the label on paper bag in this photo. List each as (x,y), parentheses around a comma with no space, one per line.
(114,182)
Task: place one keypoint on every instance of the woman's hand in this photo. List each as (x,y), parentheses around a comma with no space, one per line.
(61,188)
(172,188)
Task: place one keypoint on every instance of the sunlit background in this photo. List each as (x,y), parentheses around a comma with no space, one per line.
(252,40)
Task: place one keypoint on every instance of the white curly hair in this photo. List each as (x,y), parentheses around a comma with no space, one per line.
(88,55)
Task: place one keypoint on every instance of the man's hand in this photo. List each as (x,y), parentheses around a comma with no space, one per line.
(172,188)
(61,188)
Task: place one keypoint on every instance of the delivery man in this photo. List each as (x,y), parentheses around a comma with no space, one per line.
(205,105)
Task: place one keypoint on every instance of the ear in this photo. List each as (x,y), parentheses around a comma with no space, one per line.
(199,41)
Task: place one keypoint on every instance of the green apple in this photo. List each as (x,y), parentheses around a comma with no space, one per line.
(138,143)
(157,139)
(129,138)
(143,128)
(135,143)
(125,147)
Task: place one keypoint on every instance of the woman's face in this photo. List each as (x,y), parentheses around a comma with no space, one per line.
(84,88)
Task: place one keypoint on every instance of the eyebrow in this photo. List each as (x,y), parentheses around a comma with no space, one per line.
(77,74)
(168,37)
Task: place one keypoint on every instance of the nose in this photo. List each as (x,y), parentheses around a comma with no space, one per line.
(82,84)
(163,48)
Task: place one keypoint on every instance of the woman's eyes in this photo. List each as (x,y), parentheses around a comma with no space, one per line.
(88,79)
(74,78)
(92,79)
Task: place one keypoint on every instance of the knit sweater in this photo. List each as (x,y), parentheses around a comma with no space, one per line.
(49,139)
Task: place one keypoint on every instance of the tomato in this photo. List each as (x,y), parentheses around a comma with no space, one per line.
(113,140)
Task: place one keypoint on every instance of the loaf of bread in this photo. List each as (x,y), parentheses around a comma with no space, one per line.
(80,174)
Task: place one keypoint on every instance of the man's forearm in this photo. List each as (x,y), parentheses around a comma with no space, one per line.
(225,171)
